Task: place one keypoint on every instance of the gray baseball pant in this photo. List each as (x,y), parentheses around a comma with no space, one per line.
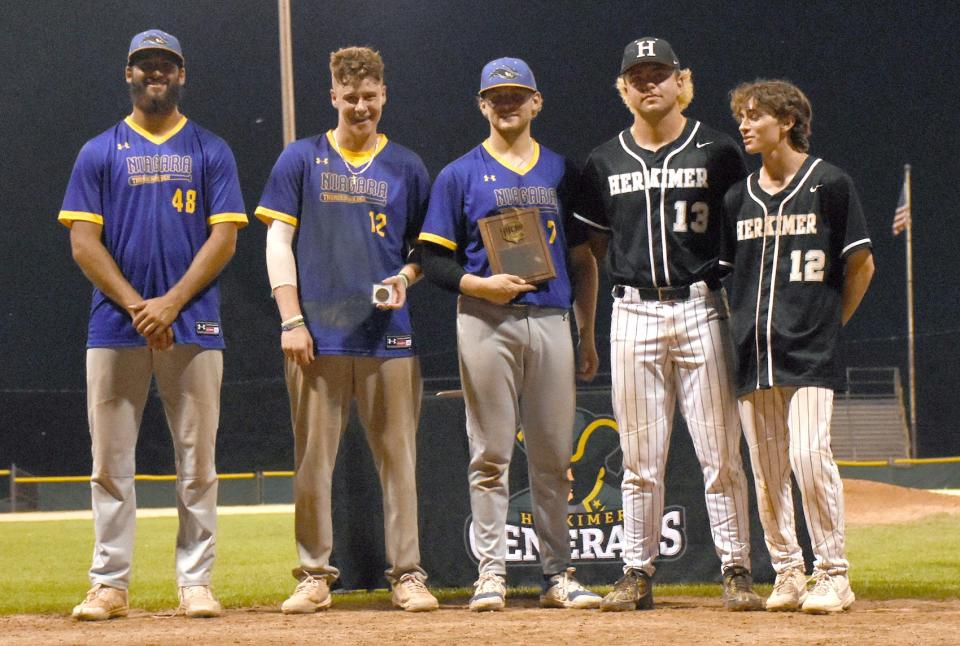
(517,371)
(118,381)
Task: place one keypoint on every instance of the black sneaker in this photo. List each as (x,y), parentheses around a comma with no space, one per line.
(633,591)
(738,594)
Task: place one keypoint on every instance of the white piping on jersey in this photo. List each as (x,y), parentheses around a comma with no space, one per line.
(590,222)
(663,195)
(773,273)
(854,244)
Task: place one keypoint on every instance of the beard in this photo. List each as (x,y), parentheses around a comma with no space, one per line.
(156,105)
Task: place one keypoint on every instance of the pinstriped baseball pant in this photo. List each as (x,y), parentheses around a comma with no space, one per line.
(517,370)
(118,381)
(788,429)
(659,351)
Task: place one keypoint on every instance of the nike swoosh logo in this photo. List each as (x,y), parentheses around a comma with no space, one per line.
(701,145)
(813,189)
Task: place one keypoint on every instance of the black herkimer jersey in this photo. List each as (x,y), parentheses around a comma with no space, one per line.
(788,253)
(663,209)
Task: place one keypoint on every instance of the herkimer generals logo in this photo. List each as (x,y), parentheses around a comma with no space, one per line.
(595,507)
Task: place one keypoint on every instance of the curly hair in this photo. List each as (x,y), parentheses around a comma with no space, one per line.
(783,100)
(351,64)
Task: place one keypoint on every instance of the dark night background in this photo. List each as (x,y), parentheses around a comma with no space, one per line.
(882,78)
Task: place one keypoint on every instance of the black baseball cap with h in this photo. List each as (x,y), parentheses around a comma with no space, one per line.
(648,50)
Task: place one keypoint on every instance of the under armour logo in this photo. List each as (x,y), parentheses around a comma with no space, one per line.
(489,178)
(123,145)
(325,161)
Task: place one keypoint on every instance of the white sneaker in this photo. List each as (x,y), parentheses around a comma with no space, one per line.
(102,602)
(312,594)
(789,591)
(198,601)
(411,594)
(830,593)
(564,591)
(489,593)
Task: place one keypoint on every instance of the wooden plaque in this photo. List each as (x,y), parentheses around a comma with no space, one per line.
(516,244)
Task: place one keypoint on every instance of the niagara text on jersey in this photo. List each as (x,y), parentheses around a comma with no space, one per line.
(664,208)
(157,198)
(361,221)
(479,184)
(787,252)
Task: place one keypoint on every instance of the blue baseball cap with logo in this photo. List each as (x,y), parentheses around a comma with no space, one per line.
(507,72)
(155,39)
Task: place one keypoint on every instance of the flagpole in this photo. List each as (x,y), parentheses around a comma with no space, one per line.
(911,357)
(286,73)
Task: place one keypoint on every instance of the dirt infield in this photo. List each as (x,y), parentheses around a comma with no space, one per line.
(675,620)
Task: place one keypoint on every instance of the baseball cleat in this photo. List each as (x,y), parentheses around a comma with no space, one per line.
(410,593)
(564,591)
(197,601)
(632,591)
(490,590)
(312,594)
(830,593)
(789,591)
(738,594)
(102,602)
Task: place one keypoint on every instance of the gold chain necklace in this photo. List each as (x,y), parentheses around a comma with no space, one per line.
(361,171)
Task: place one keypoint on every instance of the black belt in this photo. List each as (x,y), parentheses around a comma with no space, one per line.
(680,293)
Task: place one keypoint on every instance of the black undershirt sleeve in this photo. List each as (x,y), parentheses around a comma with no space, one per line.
(440,266)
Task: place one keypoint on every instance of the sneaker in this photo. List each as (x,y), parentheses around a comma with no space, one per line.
(632,591)
(564,591)
(489,592)
(789,591)
(830,593)
(412,595)
(198,601)
(312,594)
(102,602)
(738,594)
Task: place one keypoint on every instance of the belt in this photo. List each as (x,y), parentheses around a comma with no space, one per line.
(679,293)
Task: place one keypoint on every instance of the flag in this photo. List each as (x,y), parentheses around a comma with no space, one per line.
(901,217)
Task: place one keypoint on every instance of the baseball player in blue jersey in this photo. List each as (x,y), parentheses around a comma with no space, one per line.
(797,240)
(653,197)
(153,206)
(516,354)
(355,201)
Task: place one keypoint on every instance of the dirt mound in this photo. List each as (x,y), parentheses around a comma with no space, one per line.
(869,502)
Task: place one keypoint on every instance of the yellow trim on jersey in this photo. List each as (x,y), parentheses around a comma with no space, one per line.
(265,215)
(155,138)
(519,170)
(67,218)
(440,240)
(354,157)
(239,218)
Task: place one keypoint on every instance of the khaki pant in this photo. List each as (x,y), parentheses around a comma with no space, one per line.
(388,393)
(118,381)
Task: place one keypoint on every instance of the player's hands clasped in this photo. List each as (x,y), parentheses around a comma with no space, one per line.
(502,288)
(399,293)
(154,315)
(297,345)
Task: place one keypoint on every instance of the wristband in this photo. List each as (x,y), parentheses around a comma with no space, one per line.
(292,323)
(406,281)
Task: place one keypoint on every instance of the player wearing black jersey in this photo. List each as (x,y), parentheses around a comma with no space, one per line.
(797,241)
(653,196)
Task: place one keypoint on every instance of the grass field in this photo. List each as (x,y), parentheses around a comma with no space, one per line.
(45,563)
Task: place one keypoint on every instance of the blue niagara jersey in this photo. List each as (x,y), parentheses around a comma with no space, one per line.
(354,228)
(479,184)
(156,198)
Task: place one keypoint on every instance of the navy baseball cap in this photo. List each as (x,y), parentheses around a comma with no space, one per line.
(648,50)
(155,39)
(507,72)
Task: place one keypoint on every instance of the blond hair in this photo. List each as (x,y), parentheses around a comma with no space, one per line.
(351,64)
(683,100)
